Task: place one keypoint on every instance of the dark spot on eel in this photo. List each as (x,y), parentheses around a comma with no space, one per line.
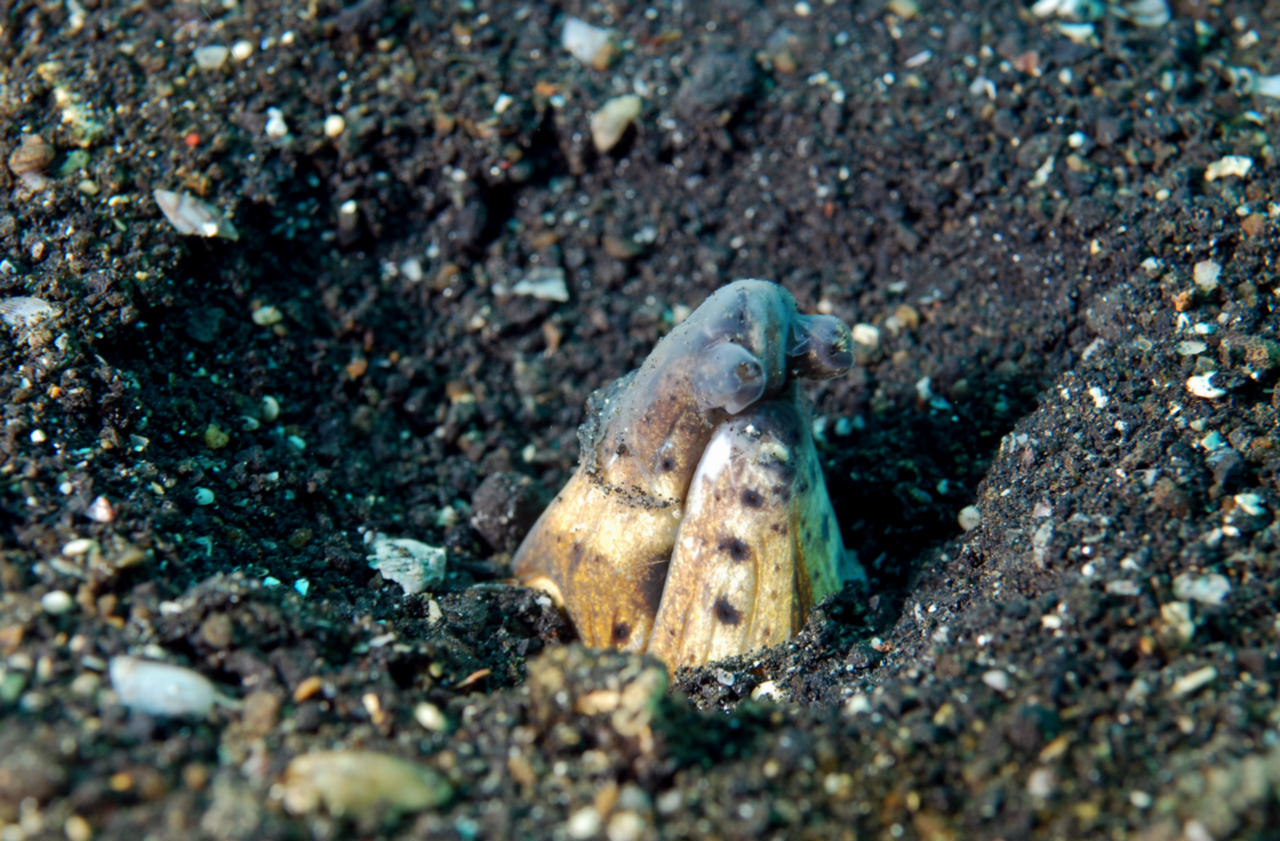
(752,498)
(736,548)
(621,633)
(726,613)
(667,464)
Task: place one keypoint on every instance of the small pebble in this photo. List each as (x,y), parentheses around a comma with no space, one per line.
(57,602)
(261,712)
(997,679)
(867,335)
(1201,385)
(584,823)
(1176,616)
(430,717)
(266,315)
(211,57)
(626,826)
(334,125)
(1227,167)
(589,44)
(360,784)
(969,518)
(100,510)
(276,128)
(1211,589)
(611,122)
(547,283)
(1205,274)
(76,548)
(204,496)
(162,689)
(1189,683)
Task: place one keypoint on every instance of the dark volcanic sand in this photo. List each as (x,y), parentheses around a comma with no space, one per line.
(1019,214)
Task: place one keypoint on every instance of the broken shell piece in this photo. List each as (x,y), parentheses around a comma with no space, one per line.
(191,216)
(546,283)
(697,525)
(611,122)
(412,564)
(23,311)
(360,784)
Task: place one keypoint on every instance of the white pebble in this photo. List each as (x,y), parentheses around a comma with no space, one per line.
(161,689)
(101,510)
(1251,504)
(1211,589)
(241,50)
(276,127)
(1201,385)
(266,315)
(1041,783)
(588,44)
(546,283)
(57,602)
(584,823)
(1189,683)
(867,335)
(1205,274)
(76,548)
(204,496)
(969,517)
(211,57)
(360,784)
(997,679)
(1228,166)
(334,125)
(611,122)
(430,717)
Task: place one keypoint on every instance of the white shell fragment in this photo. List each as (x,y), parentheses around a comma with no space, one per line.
(360,784)
(1227,167)
(1201,385)
(611,122)
(412,564)
(25,311)
(545,283)
(191,216)
(163,689)
(588,44)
